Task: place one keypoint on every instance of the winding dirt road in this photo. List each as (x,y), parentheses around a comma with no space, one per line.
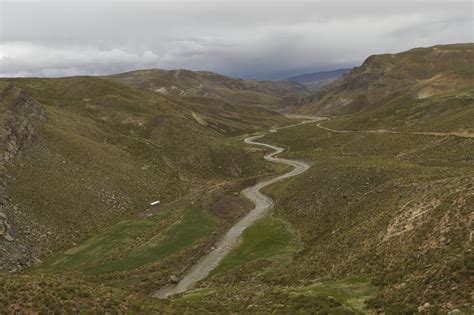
(263,204)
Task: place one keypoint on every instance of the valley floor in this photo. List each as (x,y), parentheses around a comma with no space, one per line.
(262,205)
(336,241)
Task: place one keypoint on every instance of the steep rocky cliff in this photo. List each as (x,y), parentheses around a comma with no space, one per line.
(19,114)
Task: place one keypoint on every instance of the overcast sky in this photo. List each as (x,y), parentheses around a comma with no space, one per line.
(247,39)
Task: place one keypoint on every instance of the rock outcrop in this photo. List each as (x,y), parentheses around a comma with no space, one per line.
(19,113)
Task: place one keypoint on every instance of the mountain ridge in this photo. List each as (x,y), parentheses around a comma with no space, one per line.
(416,73)
(319,75)
(187,83)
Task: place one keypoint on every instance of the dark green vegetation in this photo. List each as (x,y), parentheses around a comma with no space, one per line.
(318,298)
(96,255)
(267,239)
(380,222)
(193,226)
(139,254)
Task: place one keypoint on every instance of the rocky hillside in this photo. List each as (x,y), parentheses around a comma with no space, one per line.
(18,234)
(79,153)
(211,85)
(415,74)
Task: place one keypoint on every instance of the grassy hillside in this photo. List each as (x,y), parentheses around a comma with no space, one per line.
(415,74)
(378,223)
(82,155)
(208,85)
(447,113)
(390,206)
(101,151)
(55,294)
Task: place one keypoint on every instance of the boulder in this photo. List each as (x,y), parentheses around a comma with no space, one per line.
(173,279)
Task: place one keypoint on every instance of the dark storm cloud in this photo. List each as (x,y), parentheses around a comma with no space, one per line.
(263,39)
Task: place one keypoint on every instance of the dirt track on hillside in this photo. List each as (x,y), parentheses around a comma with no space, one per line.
(425,133)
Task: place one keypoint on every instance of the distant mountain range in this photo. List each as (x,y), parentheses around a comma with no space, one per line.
(318,76)
(316,80)
(205,85)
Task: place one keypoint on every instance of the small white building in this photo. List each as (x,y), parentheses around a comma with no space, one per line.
(155,203)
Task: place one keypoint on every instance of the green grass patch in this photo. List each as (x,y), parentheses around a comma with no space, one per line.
(194,225)
(99,247)
(268,238)
(352,292)
(195,295)
(104,253)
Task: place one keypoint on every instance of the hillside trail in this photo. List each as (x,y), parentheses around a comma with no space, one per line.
(425,133)
(263,204)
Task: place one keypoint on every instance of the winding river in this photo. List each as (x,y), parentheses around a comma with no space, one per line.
(263,204)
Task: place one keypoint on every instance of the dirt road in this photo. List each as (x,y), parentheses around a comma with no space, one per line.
(425,133)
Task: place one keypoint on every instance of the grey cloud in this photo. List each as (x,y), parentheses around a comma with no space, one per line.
(258,39)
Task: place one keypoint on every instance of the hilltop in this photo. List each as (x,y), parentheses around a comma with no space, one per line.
(415,74)
(186,83)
